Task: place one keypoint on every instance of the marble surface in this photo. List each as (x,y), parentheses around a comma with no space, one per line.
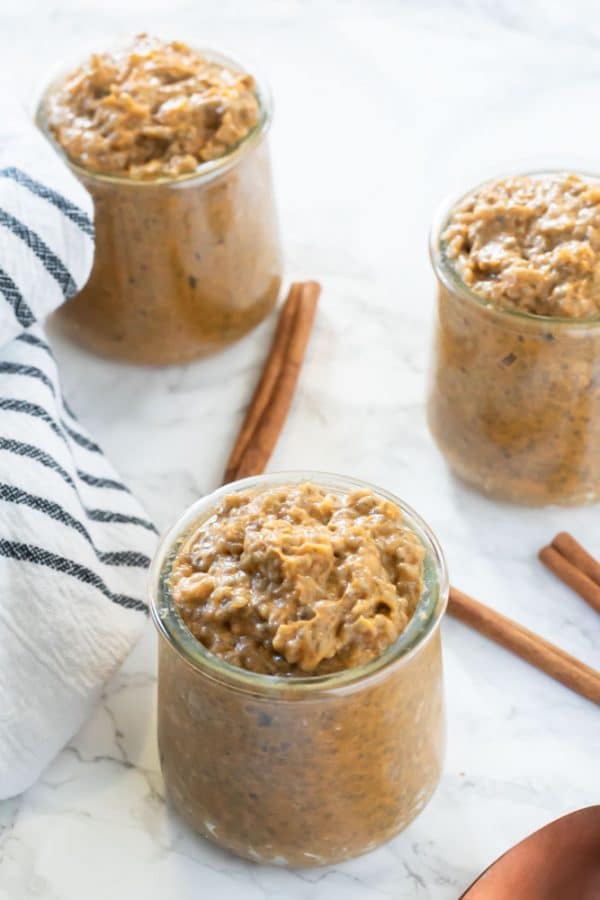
(382,108)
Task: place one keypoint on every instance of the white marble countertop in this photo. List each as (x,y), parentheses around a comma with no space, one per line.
(382,108)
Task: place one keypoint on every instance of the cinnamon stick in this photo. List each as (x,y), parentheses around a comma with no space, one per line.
(571,575)
(577,555)
(524,643)
(273,396)
(269,376)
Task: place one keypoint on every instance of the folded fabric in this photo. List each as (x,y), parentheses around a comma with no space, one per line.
(74,543)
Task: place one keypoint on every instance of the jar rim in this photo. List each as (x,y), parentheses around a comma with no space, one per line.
(449,275)
(171,627)
(205,171)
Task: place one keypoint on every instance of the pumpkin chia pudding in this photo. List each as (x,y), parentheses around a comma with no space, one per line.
(170,142)
(514,400)
(151,109)
(300,684)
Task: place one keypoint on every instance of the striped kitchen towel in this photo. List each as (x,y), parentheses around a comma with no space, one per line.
(74,543)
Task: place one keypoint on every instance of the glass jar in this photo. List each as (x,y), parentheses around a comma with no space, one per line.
(308,770)
(514,398)
(185,265)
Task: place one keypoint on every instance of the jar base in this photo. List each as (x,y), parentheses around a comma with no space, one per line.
(515,495)
(142,353)
(307,859)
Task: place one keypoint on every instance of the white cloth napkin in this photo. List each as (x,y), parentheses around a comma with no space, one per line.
(74,543)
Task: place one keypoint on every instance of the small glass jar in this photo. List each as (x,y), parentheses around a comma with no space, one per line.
(184,266)
(309,770)
(514,398)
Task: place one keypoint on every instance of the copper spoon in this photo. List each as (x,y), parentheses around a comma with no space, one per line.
(559,862)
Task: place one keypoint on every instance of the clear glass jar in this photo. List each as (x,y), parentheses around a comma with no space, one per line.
(514,398)
(184,266)
(300,771)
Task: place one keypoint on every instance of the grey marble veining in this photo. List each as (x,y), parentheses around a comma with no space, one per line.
(382,108)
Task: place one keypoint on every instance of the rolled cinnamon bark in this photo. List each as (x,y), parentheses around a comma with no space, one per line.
(529,646)
(577,555)
(273,397)
(571,576)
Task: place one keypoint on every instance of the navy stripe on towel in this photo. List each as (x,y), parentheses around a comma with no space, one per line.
(14,298)
(12,494)
(34,409)
(35,372)
(96,515)
(36,341)
(53,265)
(70,210)
(41,557)
(11,368)
(110,483)
(29,450)
(104,515)
(81,439)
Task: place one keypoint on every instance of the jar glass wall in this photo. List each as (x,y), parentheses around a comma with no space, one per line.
(514,398)
(183,266)
(309,770)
